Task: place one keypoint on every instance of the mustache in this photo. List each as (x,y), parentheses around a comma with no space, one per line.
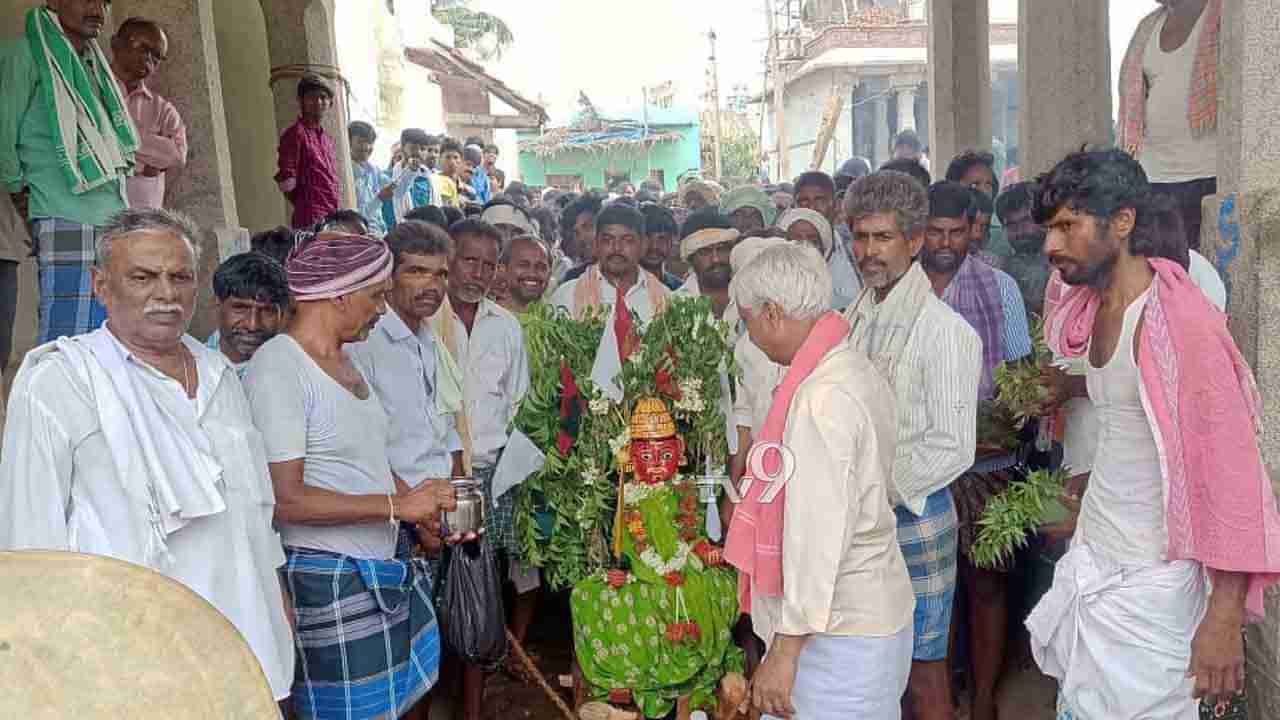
(431,295)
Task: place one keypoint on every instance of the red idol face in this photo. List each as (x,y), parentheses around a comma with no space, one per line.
(656,461)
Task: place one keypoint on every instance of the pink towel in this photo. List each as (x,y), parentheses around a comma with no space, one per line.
(1205,409)
(754,543)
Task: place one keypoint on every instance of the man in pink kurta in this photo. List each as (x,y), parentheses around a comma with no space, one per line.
(137,50)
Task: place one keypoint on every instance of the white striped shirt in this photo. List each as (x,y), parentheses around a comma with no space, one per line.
(936,383)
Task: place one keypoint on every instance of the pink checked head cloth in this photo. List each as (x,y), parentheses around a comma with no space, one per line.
(333,264)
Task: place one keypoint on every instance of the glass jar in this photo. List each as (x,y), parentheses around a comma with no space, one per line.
(469,516)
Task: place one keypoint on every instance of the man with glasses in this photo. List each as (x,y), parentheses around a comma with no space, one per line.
(137,50)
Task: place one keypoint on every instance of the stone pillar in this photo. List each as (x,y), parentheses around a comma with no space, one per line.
(204,189)
(959,78)
(1064,63)
(884,138)
(906,108)
(300,33)
(1239,235)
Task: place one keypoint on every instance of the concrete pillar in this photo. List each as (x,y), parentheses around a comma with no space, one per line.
(906,108)
(1064,63)
(959,78)
(1240,235)
(300,33)
(190,79)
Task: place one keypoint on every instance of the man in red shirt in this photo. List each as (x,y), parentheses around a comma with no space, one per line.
(308,167)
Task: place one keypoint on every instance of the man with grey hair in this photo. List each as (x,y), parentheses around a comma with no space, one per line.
(826,584)
(136,442)
(931,357)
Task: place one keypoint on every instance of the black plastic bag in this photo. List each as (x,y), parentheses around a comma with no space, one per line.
(471,612)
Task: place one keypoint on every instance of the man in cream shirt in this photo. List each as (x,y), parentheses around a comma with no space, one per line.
(839,596)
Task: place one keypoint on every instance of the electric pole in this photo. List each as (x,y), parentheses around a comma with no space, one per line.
(779,89)
(715,99)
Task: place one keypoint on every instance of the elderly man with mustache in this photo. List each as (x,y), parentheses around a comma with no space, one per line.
(137,442)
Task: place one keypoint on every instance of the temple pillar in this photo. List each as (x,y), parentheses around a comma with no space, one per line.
(959,78)
(1064,80)
(1240,235)
(300,38)
(190,79)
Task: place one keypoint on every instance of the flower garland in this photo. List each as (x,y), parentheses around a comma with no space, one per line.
(672,568)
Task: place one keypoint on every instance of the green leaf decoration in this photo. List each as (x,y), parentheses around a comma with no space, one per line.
(564,513)
(1013,514)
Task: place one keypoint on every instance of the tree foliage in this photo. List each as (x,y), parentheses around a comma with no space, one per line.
(472,27)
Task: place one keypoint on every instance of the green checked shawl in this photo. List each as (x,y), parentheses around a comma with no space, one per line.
(93,133)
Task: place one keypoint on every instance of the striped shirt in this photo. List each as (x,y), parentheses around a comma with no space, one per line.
(1017,333)
(936,383)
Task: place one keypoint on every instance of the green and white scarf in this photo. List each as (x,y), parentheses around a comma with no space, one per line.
(93,136)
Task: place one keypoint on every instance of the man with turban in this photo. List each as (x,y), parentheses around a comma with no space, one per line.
(346,520)
(748,208)
(700,194)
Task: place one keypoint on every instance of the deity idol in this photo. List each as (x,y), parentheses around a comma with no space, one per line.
(657,633)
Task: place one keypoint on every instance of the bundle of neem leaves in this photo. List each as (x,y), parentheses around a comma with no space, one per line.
(564,512)
(1029,503)
(1011,515)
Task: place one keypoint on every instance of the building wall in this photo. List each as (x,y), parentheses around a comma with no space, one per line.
(673,159)
(245,68)
(806,101)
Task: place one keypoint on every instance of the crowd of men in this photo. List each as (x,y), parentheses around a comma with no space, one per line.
(293,467)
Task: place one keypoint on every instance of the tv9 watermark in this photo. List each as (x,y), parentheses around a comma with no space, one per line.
(762,457)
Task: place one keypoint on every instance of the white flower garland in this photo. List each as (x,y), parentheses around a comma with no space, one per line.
(633,493)
(654,561)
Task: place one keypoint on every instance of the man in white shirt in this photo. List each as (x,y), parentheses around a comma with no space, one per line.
(252,295)
(406,365)
(619,244)
(932,359)
(834,605)
(136,442)
(486,341)
(1168,116)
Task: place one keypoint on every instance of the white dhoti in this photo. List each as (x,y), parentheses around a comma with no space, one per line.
(1118,640)
(841,678)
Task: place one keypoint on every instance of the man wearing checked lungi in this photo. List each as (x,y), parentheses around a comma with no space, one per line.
(66,144)
(932,359)
(366,636)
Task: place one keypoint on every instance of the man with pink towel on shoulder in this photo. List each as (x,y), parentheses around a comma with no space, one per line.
(1178,534)
(814,538)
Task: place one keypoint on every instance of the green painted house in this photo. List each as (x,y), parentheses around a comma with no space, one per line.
(600,152)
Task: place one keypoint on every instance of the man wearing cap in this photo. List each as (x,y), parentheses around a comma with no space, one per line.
(65,170)
(748,208)
(136,442)
(308,164)
(700,194)
(616,275)
(367,640)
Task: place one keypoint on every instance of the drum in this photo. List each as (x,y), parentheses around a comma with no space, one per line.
(92,637)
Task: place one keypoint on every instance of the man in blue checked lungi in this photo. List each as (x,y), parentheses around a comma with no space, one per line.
(367,641)
(933,359)
(66,144)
